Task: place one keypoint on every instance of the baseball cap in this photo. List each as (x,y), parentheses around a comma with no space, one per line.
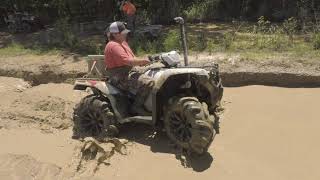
(118,27)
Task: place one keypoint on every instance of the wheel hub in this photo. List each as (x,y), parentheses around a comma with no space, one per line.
(93,122)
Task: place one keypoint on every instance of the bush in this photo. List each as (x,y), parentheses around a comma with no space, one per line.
(316,41)
(197,42)
(212,46)
(202,10)
(290,27)
(263,25)
(227,40)
(172,41)
(68,38)
(142,45)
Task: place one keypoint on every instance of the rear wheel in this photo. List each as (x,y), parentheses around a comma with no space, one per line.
(189,124)
(93,116)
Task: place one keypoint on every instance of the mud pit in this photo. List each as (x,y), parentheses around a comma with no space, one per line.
(266,133)
(47,105)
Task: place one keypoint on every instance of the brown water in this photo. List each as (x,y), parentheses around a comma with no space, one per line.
(266,133)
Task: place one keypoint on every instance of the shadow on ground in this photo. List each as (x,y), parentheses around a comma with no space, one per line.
(158,142)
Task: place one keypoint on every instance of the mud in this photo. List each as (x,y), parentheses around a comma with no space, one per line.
(26,167)
(266,133)
(292,80)
(47,106)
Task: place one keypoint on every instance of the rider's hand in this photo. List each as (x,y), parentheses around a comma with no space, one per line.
(150,58)
(145,62)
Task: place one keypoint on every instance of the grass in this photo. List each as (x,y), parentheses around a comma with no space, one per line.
(226,38)
(231,38)
(13,49)
(16,49)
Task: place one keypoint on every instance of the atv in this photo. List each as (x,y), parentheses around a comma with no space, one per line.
(183,102)
(22,22)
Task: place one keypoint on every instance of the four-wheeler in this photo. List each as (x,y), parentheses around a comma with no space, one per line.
(184,101)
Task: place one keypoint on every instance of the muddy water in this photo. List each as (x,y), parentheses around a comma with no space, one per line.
(266,133)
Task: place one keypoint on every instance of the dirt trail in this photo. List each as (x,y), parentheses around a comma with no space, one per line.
(267,133)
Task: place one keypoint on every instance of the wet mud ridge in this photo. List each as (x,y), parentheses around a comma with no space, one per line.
(43,77)
(236,79)
(229,79)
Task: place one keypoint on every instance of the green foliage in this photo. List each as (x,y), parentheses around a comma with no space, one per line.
(172,40)
(228,39)
(142,45)
(212,46)
(13,49)
(198,42)
(316,41)
(17,49)
(196,11)
(263,25)
(68,38)
(275,42)
(143,17)
(290,27)
(202,10)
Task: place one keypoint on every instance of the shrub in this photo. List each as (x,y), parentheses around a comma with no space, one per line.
(142,45)
(290,27)
(202,10)
(212,46)
(228,39)
(68,38)
(172,40)
(316,41)
(263,25)
(197,42)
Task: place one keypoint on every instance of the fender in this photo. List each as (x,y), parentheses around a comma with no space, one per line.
(106,90)
(102,86)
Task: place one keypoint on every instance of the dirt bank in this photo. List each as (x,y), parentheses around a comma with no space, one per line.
(236,71)
(41,69)
(266,133)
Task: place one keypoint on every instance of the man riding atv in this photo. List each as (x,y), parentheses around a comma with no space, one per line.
(181,100)
(120,64)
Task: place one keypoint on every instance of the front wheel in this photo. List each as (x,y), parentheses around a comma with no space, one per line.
(188,123)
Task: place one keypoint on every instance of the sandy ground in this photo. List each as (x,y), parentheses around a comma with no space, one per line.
(266,133)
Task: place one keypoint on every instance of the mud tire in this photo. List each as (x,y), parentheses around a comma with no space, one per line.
(189,124)
(94,117)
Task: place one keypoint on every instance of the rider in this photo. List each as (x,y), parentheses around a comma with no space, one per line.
(121,67)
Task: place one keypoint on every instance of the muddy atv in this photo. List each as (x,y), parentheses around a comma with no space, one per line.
(183,102)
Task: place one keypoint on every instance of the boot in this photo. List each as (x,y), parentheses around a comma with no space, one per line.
(138,105)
